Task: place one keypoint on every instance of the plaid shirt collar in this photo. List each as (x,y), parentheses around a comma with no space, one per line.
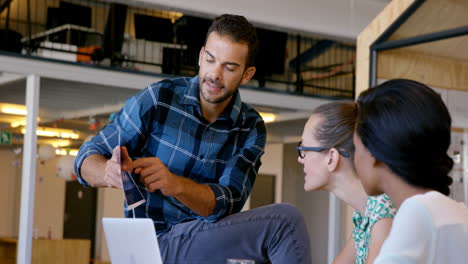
(192,97)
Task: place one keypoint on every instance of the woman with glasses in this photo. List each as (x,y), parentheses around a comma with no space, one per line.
(327,151)
(402,136)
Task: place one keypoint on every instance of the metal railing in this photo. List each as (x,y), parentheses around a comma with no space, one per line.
(113,35)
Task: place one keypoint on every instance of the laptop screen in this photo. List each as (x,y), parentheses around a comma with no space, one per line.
(131,241)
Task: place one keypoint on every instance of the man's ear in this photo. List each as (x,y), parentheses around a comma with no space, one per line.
(248,74)
(200,56)
(333,159)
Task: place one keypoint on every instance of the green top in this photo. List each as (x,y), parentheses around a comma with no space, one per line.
(377,207)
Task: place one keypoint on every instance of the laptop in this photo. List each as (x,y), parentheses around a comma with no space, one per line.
(131,241)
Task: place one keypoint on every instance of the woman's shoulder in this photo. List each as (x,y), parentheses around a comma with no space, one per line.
(441,208)
(380,206)
(377,207)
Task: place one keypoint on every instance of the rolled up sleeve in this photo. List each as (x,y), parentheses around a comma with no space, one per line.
(236,182)
(127,129)
(86,150)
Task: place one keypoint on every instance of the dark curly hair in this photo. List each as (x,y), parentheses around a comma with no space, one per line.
(239,29)
(406,125)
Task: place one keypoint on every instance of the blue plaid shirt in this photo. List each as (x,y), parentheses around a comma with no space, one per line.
(165,120)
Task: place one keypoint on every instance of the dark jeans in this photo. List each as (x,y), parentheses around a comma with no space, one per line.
(275,233)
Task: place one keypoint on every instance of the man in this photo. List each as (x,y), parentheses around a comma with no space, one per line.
(195,148)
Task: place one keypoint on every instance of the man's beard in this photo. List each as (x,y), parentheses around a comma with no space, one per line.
(222,98)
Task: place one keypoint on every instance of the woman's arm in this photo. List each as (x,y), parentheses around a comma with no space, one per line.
(379,233)
(347,254)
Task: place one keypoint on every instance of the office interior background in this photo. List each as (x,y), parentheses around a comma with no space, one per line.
(89,56)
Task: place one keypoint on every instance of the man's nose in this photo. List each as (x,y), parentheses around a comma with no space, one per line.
(216,72)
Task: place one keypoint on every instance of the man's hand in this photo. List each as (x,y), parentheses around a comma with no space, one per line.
(155,176)
(112,172)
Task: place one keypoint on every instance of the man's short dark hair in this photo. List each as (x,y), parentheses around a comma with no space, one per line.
(239,29)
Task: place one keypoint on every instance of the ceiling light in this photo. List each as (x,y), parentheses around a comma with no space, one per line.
(21,122)
(13,109)
(64,152)
(18,123)
(268,117)
(54,132)
(56,143)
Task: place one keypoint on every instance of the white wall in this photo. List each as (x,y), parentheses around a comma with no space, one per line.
(9,193)
(272,163)
(49,200)
(313,205)
(338,18)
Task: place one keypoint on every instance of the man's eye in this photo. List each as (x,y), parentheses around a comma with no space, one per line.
(210,61)
(229,69)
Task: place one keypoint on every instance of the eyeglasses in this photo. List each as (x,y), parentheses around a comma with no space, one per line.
(301,149)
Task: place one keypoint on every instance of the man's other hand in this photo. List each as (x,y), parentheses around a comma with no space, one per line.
(112,172)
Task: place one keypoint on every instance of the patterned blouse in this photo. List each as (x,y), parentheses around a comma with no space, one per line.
(377,207)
